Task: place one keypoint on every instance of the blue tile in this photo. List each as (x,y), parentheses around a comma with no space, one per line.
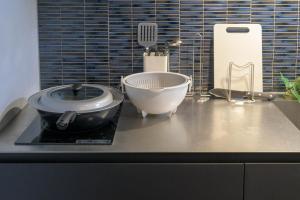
(96,40)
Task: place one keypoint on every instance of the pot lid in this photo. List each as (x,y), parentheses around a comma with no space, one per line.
(76,92)
(76,97)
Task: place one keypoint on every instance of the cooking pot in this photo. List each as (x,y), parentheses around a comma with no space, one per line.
(77,107)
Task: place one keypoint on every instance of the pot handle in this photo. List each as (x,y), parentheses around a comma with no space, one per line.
(65,119)
(190,83)
(122,85)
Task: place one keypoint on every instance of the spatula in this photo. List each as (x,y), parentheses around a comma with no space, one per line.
(147,35)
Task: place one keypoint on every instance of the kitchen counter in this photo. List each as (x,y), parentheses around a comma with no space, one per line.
(214,131)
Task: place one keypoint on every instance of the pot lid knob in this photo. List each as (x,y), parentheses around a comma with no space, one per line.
(76,87)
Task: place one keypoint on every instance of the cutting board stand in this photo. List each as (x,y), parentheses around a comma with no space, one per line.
(248,70)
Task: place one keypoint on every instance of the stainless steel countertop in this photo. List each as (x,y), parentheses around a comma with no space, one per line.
(215,126)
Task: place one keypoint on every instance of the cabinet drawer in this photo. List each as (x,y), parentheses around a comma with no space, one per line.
(272,181)
(121,181)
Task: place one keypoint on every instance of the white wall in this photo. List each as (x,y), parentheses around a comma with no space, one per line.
(19,61)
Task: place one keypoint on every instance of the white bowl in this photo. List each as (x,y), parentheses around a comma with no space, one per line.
(156,92)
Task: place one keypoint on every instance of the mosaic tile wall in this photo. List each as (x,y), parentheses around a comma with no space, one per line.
(95,41)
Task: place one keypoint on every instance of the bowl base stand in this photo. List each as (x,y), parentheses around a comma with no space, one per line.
(144,114)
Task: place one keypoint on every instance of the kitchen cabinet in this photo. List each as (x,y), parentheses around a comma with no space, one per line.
(272,181)
(115,181)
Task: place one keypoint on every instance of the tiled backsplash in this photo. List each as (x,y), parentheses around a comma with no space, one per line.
(95,41)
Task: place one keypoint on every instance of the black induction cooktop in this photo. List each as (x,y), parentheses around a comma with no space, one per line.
(37,133)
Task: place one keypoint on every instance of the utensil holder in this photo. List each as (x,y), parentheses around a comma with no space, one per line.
(155,63)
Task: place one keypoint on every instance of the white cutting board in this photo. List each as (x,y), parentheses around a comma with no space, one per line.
(240,44)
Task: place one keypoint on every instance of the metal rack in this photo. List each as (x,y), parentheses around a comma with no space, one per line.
(201,96)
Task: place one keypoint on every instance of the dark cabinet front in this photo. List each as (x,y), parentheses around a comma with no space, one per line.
(272,181)
(121,181)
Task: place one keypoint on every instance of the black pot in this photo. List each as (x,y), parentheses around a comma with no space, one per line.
(81,121)
(76,120)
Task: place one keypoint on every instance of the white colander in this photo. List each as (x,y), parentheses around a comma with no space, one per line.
(156,92)
(156,80)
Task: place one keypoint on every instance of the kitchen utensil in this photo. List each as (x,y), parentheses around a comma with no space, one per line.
(11,111)
(147,35)
(240,44)
(223,93)
(175,42)
(76,107)
(156,92)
